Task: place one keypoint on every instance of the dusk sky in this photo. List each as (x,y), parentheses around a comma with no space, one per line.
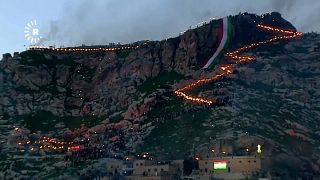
(76,22)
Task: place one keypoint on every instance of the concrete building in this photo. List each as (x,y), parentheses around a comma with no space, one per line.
(232,167)
(114,166)
(150,170)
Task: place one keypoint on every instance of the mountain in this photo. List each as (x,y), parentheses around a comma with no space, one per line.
(273,100)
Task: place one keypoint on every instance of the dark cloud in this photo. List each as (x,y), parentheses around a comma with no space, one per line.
(101,22)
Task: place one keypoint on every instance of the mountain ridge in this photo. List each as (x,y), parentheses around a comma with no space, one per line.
(101,88)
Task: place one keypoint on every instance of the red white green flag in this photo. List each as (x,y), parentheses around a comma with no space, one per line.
(224,35)
(219,165)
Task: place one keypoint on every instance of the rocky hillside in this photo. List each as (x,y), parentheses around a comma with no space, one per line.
(62,83)
(274,99)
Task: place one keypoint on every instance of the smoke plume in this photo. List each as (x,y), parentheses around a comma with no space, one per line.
(101,22)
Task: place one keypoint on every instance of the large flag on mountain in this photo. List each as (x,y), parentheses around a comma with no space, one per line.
(224,35)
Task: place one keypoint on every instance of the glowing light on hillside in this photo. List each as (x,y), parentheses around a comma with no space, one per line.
(259,148)
(44,48)
(48,144)
(269,28)
(74,148)
(234,55)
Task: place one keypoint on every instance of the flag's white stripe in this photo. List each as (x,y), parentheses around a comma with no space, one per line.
(223,42)
(220,165)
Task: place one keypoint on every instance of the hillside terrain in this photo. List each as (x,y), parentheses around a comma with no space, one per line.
(272,100)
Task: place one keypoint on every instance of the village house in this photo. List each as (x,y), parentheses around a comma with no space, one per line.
(149,170)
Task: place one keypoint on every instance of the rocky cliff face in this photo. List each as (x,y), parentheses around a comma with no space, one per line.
(275,99)
(62,83)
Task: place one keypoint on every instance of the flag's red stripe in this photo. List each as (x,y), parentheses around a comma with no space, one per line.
(215,47)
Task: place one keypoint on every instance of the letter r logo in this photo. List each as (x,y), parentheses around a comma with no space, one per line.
(35,31)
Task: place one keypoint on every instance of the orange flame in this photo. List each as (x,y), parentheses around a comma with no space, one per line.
(227,69)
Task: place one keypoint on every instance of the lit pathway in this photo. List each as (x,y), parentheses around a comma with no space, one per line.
(84,49)
(234,55)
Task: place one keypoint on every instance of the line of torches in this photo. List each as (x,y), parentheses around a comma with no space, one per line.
(290,34)
(49,143)
(43,48)
(228,69)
